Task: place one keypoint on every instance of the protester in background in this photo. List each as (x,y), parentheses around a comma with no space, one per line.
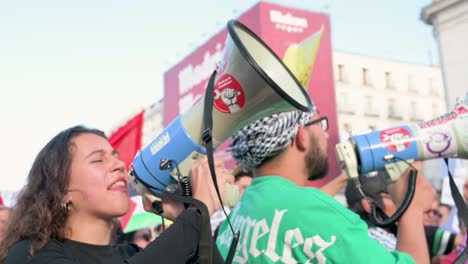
(452,256)
(374,188)
(439,241)
(5,213)
(242,178)
(432,216)
(76,187)
(444,212)
(159,229)
(334,186)
(282,220)
(141,237)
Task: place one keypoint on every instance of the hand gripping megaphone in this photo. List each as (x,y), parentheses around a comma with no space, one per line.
(388,152)
(443,137)
(251,83)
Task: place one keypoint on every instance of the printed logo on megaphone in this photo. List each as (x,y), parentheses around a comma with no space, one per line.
(395,139)
(438,142)
(229,97)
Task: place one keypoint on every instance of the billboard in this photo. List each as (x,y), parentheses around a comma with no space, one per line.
(299,37)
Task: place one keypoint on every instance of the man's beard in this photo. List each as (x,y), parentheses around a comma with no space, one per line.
(316,161)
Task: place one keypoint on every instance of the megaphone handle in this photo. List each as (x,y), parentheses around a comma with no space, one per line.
(401,210)
(185,188)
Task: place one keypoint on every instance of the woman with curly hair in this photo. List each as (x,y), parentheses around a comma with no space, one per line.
(77,185)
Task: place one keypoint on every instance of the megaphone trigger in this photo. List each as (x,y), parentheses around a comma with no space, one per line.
(347,159)
(396,169)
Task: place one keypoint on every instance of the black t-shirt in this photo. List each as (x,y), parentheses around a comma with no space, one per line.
(68,251)
(176,245)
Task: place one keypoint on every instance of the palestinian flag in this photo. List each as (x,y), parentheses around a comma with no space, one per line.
(137,218)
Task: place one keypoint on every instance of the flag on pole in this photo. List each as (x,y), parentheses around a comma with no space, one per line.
(300,57)
(127,139)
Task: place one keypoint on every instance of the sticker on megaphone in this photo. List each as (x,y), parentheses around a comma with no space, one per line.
(443,137)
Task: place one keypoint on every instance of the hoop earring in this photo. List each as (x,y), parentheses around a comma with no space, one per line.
(66,207)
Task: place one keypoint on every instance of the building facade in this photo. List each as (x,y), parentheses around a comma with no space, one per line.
(374,94)
(449,19)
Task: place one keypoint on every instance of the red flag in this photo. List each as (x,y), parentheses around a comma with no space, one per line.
(1,200)
(127,139)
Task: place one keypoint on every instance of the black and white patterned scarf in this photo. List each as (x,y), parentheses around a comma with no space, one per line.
(266,137)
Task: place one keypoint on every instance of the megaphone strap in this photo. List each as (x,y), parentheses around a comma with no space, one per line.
(208,126)
(462,210)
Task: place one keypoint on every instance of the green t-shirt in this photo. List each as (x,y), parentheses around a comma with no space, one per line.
(280,222)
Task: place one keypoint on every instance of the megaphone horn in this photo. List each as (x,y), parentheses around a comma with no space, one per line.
(252,82)
(443,137)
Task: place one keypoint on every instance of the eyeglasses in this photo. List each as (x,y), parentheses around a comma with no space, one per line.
(322,120)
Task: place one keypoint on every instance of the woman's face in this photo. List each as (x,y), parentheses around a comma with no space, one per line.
(98,181)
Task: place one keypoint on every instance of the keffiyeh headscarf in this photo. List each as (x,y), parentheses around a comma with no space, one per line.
(266,137)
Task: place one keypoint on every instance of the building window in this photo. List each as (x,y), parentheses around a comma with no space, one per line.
(365,77)
(369,109)
(392,109)
(341,73)
(414,112)
(432,87)
(411,85)
(389,81)
(344,105)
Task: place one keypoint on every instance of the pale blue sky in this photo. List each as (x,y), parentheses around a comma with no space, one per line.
(94,62)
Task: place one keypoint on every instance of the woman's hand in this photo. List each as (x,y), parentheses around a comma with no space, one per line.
(171,208)
(202,184)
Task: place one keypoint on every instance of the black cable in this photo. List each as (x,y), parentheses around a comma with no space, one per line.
(404,205)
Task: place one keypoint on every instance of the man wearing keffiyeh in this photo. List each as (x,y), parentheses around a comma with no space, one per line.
(282,220)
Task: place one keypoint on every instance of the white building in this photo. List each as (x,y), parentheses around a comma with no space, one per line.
(376,94)
(449,19)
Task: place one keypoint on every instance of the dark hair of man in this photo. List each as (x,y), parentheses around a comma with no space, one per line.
(38,214)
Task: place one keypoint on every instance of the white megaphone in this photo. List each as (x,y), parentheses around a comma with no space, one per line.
(252,82)
(443,137)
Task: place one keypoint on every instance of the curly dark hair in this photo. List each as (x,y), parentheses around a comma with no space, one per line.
(38,214)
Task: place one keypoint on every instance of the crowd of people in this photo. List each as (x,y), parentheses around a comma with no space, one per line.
(77,187)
